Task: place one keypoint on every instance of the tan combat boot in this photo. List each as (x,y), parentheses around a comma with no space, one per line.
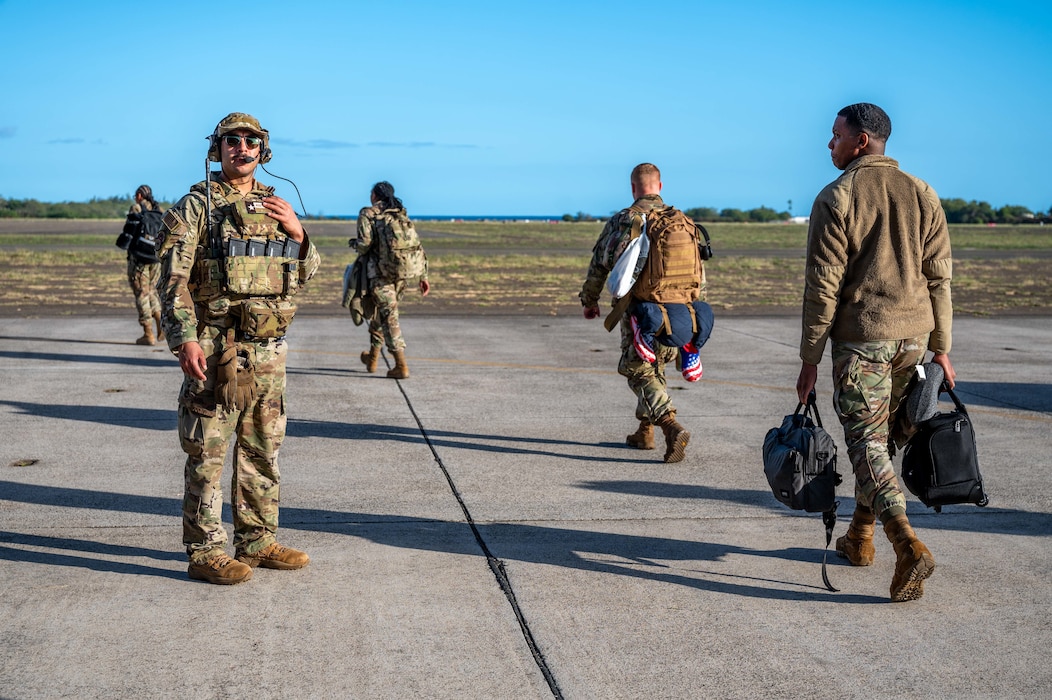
(147,335)
(370,359)
(676,437)
(275,556)
(643,438)
(220,569)
(913,563)
(157,324)
(400,370)
(857,545)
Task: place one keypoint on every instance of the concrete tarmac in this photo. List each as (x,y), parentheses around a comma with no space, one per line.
(480,530)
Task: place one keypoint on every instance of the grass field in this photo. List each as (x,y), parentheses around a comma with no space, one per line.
(72,267)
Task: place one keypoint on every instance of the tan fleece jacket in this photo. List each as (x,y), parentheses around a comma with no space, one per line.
(878,261)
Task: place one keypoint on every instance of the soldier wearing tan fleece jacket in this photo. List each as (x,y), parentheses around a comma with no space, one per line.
(877,285)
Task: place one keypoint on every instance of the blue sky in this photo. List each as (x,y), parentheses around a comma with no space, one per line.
(538,108)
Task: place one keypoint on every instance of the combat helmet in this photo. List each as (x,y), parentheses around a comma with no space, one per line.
(233,122)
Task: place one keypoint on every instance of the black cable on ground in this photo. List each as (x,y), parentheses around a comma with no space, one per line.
(495,564)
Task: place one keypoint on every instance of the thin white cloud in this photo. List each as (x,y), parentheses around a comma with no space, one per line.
(418,144)
(329,144)
(322,144)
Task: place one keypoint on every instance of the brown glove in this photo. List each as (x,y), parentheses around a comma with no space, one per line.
(246,380)
(226,373)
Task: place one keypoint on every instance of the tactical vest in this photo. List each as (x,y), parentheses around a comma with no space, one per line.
(246,269)
(245,255)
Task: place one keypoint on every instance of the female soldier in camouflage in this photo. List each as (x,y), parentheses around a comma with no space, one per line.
(394,258)
(143,276)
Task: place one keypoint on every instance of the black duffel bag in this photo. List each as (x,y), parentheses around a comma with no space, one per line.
(799,461)
(940,465)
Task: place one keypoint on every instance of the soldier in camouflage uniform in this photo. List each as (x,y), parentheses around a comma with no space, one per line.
(877,285)
(645,379)
(234,256)
(386,291)
(143,276)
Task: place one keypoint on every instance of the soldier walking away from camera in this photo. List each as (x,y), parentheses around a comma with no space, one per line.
(877,285)
(233,258)
(645,378)
(394,260)
(143,272)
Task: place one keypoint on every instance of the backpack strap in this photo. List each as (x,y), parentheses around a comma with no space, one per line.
(693,320)
(666,325)
(614,317)
(621,306)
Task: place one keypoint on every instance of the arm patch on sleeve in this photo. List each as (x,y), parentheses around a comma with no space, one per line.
(173,222)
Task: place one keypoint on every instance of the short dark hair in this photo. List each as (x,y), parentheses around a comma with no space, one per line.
(869,118)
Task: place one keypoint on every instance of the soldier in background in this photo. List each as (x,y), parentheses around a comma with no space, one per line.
(645,378)
(233,258)
(877,284)
(143,276)
(394,259)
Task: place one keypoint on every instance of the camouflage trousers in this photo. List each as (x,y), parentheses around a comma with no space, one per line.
(142,278)
(205,430)
(646,379)
(383,326)
(869,382)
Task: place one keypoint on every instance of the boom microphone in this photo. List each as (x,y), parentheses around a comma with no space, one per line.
(248,159)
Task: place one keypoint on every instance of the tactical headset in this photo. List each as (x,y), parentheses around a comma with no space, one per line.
(234,121)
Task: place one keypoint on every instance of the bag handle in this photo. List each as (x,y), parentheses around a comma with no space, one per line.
(811,409)
(945,388)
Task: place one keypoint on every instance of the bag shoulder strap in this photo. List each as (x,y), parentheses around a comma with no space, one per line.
(829,520)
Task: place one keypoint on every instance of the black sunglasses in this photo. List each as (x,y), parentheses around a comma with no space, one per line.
(233,140)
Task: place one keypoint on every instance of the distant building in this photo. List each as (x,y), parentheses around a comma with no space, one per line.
(799,219)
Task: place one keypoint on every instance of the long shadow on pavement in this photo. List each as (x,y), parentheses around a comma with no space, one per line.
(626,555)
(962,518)
(1024,396)
(165,361)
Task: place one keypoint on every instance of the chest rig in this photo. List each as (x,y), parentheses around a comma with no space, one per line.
(245,254)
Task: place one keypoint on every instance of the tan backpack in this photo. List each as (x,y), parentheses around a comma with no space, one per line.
(672,273)
(400,255)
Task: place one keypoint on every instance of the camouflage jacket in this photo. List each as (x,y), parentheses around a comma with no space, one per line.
(187,242)
(608,248)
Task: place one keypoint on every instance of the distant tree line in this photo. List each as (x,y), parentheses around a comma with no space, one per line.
(958,211)
(759,215)
(95,208)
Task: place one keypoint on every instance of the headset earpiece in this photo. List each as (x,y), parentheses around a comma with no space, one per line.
(213,146)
